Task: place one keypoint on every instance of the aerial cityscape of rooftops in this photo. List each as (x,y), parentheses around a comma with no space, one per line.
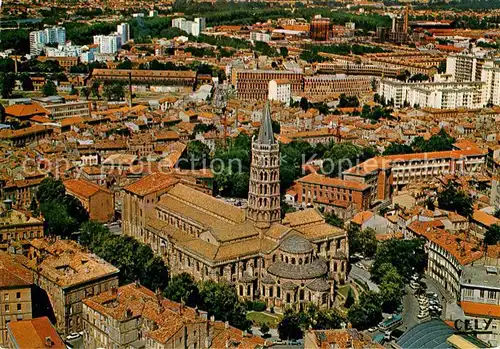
(276,174)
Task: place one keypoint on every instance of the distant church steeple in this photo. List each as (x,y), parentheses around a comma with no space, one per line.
(264,191)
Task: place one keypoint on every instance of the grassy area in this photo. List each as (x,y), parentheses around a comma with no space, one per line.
(260,317)
(344,290)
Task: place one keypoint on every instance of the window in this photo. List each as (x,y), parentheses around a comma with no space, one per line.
(18,307)
(6,297)
(18,295)
(7,308)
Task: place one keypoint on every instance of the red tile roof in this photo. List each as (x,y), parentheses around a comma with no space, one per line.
(26,110)
(481,309)
(83,188)
(34,333)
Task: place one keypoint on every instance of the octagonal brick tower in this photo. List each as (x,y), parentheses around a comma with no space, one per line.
(264,191)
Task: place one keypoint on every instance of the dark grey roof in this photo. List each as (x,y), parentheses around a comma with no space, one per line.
(313,270)
(245,277)
(266,135)
(267,279)
(430,334)
(296,244)
(289,286)
(318,285)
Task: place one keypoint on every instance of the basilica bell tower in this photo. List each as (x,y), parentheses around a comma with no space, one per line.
(264,191)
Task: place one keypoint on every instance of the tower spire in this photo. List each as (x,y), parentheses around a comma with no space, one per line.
(266,135)
(264,191)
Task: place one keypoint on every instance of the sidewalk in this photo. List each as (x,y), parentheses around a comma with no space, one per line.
(451,310)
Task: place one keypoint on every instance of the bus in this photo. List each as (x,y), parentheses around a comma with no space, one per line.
(392,321)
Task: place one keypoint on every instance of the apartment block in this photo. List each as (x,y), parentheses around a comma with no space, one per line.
(439,95)
(254,84)
(338,194)
(15,294)
(491,77)
(108,43)
(480,296)
(194,27)
(280,90)
(60,111)
(126,316)
(321,85)
(390,173)
(52,35)
(17,226)
(464,67)
(68,274)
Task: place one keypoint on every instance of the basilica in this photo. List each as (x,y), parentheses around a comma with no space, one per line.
(286,262)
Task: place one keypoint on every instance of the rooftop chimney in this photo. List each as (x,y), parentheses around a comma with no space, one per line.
(48,342)
(7,204)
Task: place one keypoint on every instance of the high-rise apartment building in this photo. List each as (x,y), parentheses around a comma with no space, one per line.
(490,75)
(123,30)
(53,35)
(319,29)
(191,27)
(108,43)
(464,67)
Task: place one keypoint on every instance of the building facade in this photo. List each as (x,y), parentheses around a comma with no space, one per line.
(68,274)
(15,294)
(99,202)
(280,90)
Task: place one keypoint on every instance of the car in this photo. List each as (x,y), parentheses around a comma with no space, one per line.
(422,315)
(372,329)
(73,335)
(387,335)
(360,265)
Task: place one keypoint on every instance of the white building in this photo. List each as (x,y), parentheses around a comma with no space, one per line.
(490,75)
(124,30)
(108,43)
(191,27)
(53,35)
(260,36)
(464,67)
(153,13)
(280,90)
(439,95)
(63,51)
(480,297)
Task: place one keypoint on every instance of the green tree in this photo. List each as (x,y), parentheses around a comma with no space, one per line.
(492,235)
(26,82)
(342,156)
(126,64)
(114,91)
(57,221)
(290,327)
(7,83)
(183,288)
(348,101)
(221,300)
(264,329)
(304,104)
(441,141)
(49,89)
(367,313)
(349,301)
(196,156)
(332,219)
(453,199)
(94,89)
(85,92)
(362,241)
(391,288)
(397,148)
(407,256)
(284,51)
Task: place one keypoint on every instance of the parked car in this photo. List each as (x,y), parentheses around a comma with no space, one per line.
(372,329)
(73,335)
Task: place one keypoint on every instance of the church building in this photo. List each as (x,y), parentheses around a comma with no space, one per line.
(286,262)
